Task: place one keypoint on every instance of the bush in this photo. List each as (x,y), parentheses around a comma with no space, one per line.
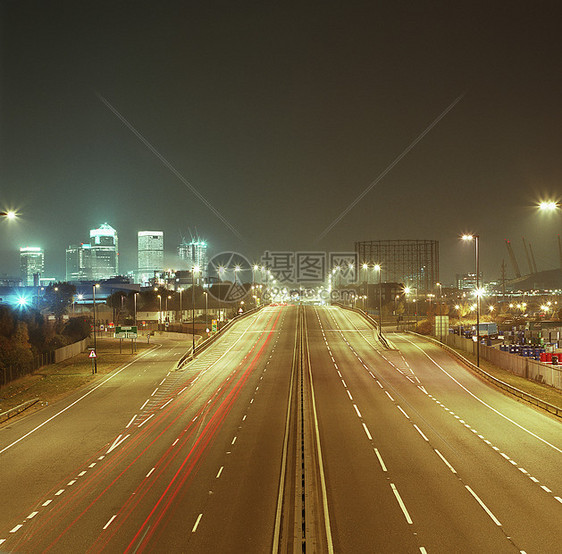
(424,327)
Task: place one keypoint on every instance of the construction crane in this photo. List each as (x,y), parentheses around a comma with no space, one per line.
(513,259)
(527,255)
(533,259)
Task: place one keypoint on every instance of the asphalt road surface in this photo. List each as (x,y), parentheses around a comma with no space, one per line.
(417,453)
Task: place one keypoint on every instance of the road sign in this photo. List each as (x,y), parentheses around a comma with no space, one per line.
(92,354)
(214,325)
(126,332)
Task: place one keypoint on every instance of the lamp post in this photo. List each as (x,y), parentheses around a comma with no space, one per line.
(379,269)
(9,214)
(94,287)
(194,269)
(206,308)
(180,290)
(159,309)
(476,239)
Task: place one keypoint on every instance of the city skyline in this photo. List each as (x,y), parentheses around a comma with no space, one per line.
(280,128)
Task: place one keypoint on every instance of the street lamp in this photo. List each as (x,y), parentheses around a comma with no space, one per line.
(548,206)
(9,214)
(476,239)
(206,306)
(166,304)
(194,270)
(159,309)
(94,287)
(379,269)
(180,290)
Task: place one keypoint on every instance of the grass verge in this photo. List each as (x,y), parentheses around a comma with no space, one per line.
(55,381)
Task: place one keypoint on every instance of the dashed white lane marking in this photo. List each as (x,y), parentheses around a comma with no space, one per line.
(16,528)
(131,422)
(59,492)
(110,521)
(147,419)
(244,418)
(367,432)
(70,483)
(150,472)
(559,499)
(349,394)
(154,392)
(162,382)
(182,390)
(175,442)
(421,433)
(197,523)
(423,550)
(484,507)
(380,460)
(545,488)
(81,473)
(32,515)
(405,414)
(2,540)
(164,405)
(357,410)
(142,407)
(401,503)
(233,440)
(46,503)
(445,461)
(93,464)
(219,473)
(344,383)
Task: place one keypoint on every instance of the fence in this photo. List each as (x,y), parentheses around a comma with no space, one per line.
(10,373)
(519,365)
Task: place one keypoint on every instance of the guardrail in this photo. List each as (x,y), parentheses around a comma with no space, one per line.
(4,416)
(371,320)
(190,354)
(551,408)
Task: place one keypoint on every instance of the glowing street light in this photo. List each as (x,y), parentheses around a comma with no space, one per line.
(9,214)
(95,358)
(548,206)
(476,239)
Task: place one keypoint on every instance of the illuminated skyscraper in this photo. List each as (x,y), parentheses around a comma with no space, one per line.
(150,254)
(194,254)
(104,252)
(79,262)
(32,263)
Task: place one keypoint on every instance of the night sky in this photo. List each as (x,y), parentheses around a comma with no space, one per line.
(280,114)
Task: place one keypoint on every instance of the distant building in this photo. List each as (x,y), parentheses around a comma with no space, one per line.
(194,254)
(150,254)
(32,264)
(105,252)
(79,262)
(415,263)
(467,281)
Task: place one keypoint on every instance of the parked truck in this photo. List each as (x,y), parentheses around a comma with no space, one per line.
(486,329)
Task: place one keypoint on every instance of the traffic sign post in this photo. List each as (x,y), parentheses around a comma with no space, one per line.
(128,332)
(214,325)
(93,356)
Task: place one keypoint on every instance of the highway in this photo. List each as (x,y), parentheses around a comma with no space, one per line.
(296,429)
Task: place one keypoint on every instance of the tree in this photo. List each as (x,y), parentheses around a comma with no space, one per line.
(58,298)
